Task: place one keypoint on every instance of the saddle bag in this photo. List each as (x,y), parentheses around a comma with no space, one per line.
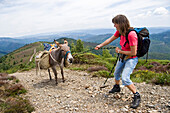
(42,59)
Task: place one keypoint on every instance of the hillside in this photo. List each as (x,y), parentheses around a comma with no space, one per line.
(19,59)
(160,40)
(159,49)
(70,41)
(81,91)
(8,45)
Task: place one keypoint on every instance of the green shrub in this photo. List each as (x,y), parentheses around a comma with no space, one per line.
(106,53)
(144,75)
(20,106)
(149,66)
(103,74)
(17,81)
(162,78)
(17,92)
(78,68)
(137,79)
(151,77)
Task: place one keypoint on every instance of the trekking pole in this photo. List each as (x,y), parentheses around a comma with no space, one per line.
(110,73)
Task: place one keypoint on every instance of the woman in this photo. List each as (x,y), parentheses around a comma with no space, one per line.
(124,66)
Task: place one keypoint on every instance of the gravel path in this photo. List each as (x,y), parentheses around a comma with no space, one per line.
(81,93)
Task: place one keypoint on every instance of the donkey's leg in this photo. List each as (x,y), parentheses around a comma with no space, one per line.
(62,73)
(55,73)
(36,68)
(49,74)
(39,70)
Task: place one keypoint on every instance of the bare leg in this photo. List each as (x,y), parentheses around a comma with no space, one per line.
(117,81)
(49,74)
(55,73)
(132,88)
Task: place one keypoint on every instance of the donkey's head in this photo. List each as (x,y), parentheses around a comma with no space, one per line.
(66,53)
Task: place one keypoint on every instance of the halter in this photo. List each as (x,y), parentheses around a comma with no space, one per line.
(66,54)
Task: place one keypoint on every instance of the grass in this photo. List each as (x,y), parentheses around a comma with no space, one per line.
(102,74)
(151,77)
(83,61)
(79,67)
(11,101)
(18,106)
(148,76)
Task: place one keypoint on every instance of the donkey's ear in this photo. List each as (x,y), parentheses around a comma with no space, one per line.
(65,42)
(58,44)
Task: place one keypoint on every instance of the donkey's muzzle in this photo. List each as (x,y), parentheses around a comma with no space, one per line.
(70,60)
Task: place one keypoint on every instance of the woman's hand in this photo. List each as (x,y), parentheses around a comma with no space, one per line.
(117,50)
(97,47)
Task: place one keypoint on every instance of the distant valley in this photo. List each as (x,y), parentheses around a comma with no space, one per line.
(160,38)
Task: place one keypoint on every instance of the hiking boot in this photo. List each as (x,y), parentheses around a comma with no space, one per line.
(116,88)
(136,101)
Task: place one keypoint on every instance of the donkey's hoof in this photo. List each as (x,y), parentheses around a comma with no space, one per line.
(56,83)
(63,81)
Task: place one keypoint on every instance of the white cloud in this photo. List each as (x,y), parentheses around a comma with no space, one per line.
(160,11)
(23,17)
(157,11)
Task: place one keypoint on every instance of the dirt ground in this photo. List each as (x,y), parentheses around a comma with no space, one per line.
(81,93)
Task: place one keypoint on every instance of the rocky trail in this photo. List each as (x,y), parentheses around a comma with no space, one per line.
(81,93)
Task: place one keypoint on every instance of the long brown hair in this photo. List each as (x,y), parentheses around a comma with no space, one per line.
(123,23)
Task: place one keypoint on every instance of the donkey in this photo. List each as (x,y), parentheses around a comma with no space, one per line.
(60,56)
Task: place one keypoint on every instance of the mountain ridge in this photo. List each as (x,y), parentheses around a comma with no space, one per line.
(160,42)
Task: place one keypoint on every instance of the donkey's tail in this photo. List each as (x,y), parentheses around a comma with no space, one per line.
(32,55)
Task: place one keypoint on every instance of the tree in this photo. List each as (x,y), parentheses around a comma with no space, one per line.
(73,48)
(14,62)
(21,60)
(106,53)
(79,46)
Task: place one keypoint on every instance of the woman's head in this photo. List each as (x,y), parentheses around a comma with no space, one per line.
(121,23)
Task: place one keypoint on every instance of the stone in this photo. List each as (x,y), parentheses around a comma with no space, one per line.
(111,111)
(150,106)
(2,88)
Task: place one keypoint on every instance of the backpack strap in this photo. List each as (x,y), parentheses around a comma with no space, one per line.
(127,41)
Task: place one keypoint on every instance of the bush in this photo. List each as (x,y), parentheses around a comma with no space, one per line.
(149,66)
(106,54)
(144,75)
(78,68)
(162,78)
(103,74)
(151,77)
(20,106)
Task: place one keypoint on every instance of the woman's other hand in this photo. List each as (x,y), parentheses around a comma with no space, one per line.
(117,50)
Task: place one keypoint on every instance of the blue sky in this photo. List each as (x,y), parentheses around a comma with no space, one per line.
(27,17)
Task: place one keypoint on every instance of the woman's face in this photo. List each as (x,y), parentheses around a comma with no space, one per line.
(116,26)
